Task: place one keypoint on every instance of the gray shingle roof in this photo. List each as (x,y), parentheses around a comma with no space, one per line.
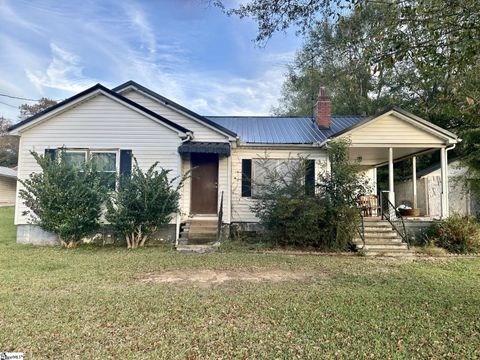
(283,130)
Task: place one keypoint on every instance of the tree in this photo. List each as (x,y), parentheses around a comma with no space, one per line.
(8,145)
(64,200)
(334,56)
(444,32)
(27,110)
(342,55)
(144,202)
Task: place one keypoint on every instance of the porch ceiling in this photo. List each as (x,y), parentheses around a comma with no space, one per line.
(376,156)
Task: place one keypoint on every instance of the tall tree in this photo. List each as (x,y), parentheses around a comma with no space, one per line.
(334,55)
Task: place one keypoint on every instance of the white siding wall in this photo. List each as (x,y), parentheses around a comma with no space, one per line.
(99,123)
(392,130)
(7,190)
(241,205)
(200,131)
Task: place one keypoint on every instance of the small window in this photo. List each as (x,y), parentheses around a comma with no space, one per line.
(75,158)
(106,163)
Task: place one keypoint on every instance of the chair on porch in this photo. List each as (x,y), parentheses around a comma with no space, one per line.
(368,204)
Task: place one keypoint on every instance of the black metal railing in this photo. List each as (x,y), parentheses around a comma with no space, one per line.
(390,213)
(220,218)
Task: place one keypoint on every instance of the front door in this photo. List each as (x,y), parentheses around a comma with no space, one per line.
(204,182)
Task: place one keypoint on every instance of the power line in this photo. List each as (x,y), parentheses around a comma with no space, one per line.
(13,106)
(18,97)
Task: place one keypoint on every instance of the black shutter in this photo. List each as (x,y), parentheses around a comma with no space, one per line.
(125,163)
(310,177)
(51,154)
(246,177)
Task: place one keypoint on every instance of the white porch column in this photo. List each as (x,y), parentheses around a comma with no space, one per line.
(444,174)
(391,184)
(414,180)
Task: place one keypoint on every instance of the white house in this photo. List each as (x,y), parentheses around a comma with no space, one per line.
(222,150)
(8,186)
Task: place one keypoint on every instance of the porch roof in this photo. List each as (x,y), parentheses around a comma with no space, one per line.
(205,148)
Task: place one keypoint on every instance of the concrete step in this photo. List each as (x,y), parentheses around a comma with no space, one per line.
(209,241)
(377,223)
(404,254)
(381,236)
(379,241)
(378,228)
(386,246)
(195,249)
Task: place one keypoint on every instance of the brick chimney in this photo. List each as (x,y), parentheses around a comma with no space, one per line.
(323,109)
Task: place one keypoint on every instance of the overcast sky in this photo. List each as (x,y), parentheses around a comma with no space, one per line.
(186,50)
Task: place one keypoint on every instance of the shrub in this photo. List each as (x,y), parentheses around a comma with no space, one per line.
(456,234)
(64,200)
(144,202)
(292,216)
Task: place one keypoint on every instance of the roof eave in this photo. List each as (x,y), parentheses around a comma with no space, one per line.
(174,105)
(63,105)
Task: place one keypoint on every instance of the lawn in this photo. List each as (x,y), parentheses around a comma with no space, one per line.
(94,302)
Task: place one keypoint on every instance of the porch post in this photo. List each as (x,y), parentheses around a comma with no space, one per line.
(391,184)
(414,180)
(444,175)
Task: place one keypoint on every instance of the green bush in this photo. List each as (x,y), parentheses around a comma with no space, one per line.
(64,200)
(144,202)
(456,234)
(291,216)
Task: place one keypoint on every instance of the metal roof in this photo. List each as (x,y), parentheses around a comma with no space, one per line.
(7,172)
(283,129)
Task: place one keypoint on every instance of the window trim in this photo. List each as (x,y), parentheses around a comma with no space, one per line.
(252,184)
(88,156)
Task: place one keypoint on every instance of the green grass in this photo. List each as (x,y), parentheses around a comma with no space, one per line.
(88,303)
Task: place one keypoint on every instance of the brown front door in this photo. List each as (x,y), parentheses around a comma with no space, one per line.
(204,189)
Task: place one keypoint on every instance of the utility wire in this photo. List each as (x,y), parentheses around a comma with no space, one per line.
(18,97)
(13,106)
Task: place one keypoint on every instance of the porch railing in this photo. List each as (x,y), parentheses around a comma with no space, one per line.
(220,218)
(390,213)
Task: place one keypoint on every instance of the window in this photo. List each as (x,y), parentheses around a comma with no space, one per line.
(280,168)
(104,161)
(75,158)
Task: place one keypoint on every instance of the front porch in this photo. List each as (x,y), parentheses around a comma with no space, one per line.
(393,137)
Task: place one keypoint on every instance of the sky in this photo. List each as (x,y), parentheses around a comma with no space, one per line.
(186,50)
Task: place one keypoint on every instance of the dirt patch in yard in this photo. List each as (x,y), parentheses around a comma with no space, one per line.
(218,277)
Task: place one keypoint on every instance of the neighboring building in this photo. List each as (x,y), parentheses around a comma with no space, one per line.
(460,199)
(8,186)
(223,151)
